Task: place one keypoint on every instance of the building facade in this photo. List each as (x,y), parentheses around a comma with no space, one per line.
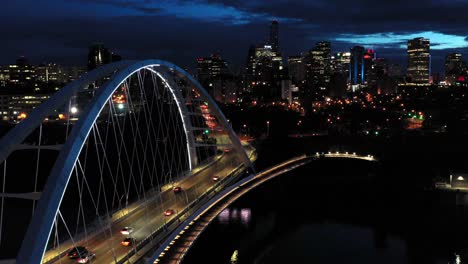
(419,61)
(356,70)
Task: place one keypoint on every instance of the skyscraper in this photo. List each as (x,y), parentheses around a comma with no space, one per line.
(264,72)
(319,64)
(98,55)
(369,58)
(274,36)
(210,68)
(419,61)
(340,63)
(297,69)
(356,71)
(454,67)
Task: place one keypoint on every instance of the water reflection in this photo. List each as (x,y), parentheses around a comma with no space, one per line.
(235,215)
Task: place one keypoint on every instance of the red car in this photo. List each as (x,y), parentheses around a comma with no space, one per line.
(169,212)
(177,189)
(127,242)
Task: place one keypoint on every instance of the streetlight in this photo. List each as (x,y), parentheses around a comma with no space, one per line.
(268,128)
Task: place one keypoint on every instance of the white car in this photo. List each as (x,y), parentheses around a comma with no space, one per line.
(126,231)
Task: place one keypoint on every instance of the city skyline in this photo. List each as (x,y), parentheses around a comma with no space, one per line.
(63,34)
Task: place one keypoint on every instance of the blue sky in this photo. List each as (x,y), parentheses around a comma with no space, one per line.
(181,30)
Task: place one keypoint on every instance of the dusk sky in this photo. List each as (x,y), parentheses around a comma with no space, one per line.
(181,30)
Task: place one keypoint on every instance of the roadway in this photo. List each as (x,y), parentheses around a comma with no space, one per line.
(177,245)
(174,249)
(146,218)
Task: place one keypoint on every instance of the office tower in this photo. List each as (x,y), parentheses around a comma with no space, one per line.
(210,68)
(419,61)
(340,63)
(356,71)
(264,72)
(454,67)
(98,55)
(274,36)
(319,65)
(297,69)
(369,58)
(50,72)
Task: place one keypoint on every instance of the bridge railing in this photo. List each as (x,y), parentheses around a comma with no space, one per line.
(163,231)
(219,197)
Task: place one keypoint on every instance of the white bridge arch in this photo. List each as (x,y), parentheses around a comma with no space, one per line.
(39,231)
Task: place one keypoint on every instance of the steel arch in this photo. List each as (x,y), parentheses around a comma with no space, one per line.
(37,235)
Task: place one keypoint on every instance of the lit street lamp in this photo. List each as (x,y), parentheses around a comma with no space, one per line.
(268,128)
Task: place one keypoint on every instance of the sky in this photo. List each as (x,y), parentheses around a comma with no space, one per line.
(181,30)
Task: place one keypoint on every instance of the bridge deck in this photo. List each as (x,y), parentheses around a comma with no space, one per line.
(176,249)
(179,246)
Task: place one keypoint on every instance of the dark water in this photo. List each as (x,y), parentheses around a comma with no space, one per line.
(340,212)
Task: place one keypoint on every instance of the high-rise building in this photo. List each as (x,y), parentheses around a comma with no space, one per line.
(319,65)
(214,75)
(297,69)
(419,61)
(369,58)
(210,68)
(98,55)
(19,75)
(225,89)
(340,63)
(50,72)
(356,71)
(454,68)
(274,42)
(378,69)
(264,72)
(73,73)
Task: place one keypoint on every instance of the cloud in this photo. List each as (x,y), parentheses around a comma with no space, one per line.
(201,10)
(438,40)
(181,30)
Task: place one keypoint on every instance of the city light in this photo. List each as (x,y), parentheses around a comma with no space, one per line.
(73,110)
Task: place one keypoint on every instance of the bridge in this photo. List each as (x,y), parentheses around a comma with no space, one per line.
(123,162)
(175,247)
(136,144)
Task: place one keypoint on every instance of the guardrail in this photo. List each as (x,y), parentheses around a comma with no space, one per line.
(165,230)
(165,246)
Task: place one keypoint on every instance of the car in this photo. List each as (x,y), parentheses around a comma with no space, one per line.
(126,231)
(76,252)
(177,189)
(169,212)
(227,150)
(215,178)
(86,258)
(128,241)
